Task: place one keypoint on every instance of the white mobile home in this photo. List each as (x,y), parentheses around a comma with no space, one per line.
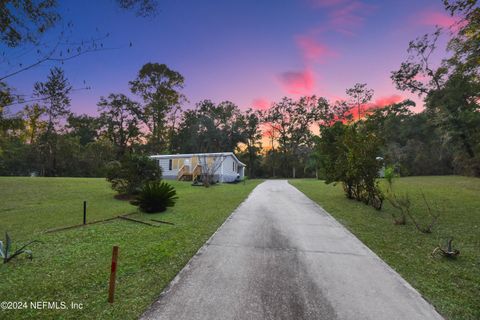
(224,166)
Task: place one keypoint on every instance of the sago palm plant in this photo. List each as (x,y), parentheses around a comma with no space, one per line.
(155,196)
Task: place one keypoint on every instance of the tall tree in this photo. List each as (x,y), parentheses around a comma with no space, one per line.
(159,87)
(54,96)
(119,122)
(6,96)
(210,127)
(293,121)
(251,121)
(34,125)
(271,134)
(451,91)
(411,143)
(7,121)
(84,127)
(359,95)
(25,20)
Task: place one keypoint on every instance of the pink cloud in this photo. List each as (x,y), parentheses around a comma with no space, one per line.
(344,16)
(383,102)
(434,18)
(389,100)
(261,104)
(348,17)
(312,50)
(298,82)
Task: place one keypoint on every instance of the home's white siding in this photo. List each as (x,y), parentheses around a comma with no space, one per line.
(164,163)
(166,173)
(224,172)
(228,171)
(229,174)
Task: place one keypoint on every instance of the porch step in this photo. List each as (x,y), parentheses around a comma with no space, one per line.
(186,177)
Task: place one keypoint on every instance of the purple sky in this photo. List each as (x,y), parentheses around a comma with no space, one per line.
(249,52)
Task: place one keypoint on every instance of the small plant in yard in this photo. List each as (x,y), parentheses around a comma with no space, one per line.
(7,253)
(446,251)
(403,204)
(390,175)
(155,196)
(400,203)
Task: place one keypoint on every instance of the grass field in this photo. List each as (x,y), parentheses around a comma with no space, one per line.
(74,265)
(452,286)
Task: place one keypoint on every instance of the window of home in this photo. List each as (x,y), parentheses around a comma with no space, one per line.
(170,162)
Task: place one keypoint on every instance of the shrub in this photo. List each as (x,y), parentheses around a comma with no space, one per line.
(404,205)
(349,155)
(155,196)
(129,174)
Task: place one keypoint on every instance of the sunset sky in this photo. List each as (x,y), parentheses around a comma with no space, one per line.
(249,52)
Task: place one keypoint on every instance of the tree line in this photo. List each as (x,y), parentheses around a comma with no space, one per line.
(305,137)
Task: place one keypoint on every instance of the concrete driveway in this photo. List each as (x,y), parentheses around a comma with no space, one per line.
(281,256)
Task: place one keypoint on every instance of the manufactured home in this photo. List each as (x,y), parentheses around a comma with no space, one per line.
(223,166)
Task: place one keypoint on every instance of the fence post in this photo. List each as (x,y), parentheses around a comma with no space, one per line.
(113,273)
(84,212)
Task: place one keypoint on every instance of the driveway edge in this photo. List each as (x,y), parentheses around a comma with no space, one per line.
(397,275)
(200,251)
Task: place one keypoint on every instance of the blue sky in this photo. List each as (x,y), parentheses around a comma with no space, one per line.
(249,52)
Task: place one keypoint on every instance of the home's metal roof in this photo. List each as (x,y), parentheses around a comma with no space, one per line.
(189,155)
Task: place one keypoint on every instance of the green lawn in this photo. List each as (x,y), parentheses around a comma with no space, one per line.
(74,265)
(453,287)
(32,205)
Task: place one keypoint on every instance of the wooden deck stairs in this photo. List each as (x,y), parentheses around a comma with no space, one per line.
(197,172)
(184,174)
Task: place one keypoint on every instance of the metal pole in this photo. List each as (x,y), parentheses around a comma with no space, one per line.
(84,212)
